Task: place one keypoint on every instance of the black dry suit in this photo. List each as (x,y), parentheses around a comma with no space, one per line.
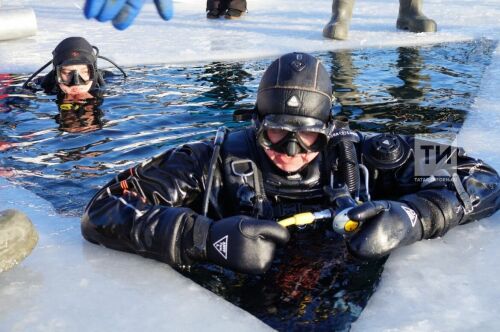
(156,209)
(149,209)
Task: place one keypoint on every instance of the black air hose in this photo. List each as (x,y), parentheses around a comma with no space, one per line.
(348,163)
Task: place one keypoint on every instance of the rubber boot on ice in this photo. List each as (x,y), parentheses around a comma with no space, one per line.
(232,13)
(412,19)
(18,237)
(215,8)
(213,14)
(235,9)
(338,27)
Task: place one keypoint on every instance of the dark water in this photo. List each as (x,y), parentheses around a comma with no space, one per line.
(64,154)
(313,284)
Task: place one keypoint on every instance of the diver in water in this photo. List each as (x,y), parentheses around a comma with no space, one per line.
(219,201)
(76,81)
(74,70)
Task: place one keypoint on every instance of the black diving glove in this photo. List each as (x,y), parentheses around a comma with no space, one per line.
(387,225)
(240,243)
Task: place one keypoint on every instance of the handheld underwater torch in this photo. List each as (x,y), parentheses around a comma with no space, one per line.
(340,221)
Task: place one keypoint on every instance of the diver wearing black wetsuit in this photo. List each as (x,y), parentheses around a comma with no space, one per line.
(219,201)
(69,52)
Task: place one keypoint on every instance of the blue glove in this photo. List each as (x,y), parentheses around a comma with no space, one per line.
(123,12)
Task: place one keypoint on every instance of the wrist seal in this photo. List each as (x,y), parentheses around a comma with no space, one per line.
(200,230)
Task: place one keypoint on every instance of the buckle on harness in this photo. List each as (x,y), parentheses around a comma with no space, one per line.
(250,194)
(243,168)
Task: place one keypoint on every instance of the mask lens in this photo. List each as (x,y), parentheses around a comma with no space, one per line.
(74,75)
(276,135)
(291,142)
(307,138)
(84,73)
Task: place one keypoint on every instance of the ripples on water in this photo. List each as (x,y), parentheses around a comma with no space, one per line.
(65,157)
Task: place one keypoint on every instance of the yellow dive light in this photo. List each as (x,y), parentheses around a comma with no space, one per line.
(341,222)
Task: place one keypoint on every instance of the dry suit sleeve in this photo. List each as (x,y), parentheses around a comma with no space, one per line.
(148,208)
(468,191)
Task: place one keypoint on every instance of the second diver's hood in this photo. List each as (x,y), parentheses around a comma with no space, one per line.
(74,50)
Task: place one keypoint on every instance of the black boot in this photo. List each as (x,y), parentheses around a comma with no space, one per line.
(412,19)
(213,14)
(232,13)
(216,8)
(235,8)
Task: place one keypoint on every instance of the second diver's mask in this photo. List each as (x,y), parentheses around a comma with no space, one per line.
(71,76)
(292,134)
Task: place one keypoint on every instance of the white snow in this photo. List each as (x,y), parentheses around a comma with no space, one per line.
(67,284)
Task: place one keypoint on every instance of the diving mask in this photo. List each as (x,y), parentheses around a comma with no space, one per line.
(75,74)
(292,134)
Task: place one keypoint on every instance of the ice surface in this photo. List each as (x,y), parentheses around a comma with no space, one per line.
(70,285)
(272,27)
